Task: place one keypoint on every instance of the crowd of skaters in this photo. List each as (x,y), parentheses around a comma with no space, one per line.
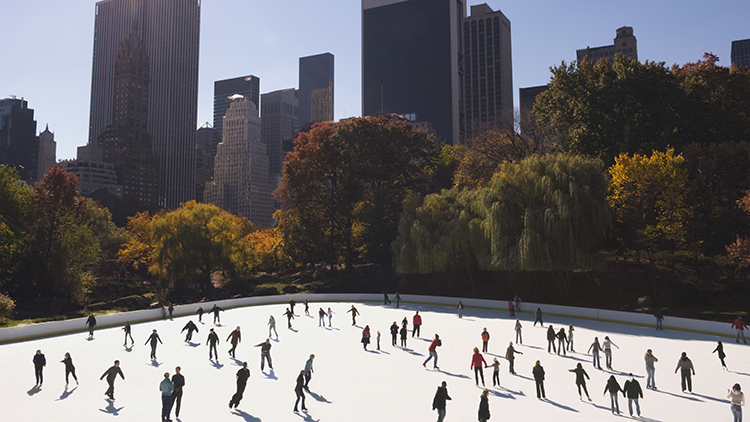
(171,388)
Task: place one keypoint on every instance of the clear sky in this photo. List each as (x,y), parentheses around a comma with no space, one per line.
(46,45)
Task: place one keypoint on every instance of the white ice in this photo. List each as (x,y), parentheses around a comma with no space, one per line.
(350,384)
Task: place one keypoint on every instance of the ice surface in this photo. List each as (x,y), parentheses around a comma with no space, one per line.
(350,384)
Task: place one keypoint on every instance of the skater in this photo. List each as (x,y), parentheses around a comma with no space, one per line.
(321,318)
(308,371)
(650,369)
(740,326)
(307,308)
(570,337)
(111,374)
(404,332)
(517,302)
(385,299)
(200,313)
(234,339)
(511,309)
(291,304)
(484,406)
(330,316)
(289,317)
(538,317)
(272,326)
(171,310)
(366,336)
(69,368)
(607,345)
(354,312)
(416,324)
(91,322)
(167,388)
(404,322)
(485,339)
(737,399)
(613,387)
(659,318)
(213,340)
(298,389)
(581,377)
(265,353)
(632,390)
(153,338)
(397,298)
(394,333)
(178,381)
(596,348)
(561,340)
(126,328)
(163,312)
(438,403)
(39,363)
(215,310)
(519,338)
(377,340)
(510,356)
(551,339)
(190,327)
(720,348)
(685,365)
(433,352)
(477,363)
(538,372)
(495,372)
(242,375)
(460,308)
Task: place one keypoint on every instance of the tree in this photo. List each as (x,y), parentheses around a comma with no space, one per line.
(738,253)
(269,248)
(13,212)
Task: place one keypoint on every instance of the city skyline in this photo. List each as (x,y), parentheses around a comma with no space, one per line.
(57,80)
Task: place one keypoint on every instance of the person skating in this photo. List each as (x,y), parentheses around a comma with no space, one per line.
(366,336)
(659,319)
(740,326)
(613,387)
(354,312)
(416,323)
(538,372)
(265,353)
(594,350)
(234,338)
(404,333)
(386,301)
(394,333)
(433,352)
(477,364)
(215,310)
(551,339)
(510,355)
(517,302)
(178,381)
(308,371)
(511,309)
(460,308)
(377,341)
(397,298)
(495,372)
(127,329)
(581,377)
(299,390)
(650,359)
(242,376)
(737,400)
(632,390)
(538,317)
(404,322)
(111,374)
(607,345)
(69,368)
(190,327)
(518,327)
(321,318)
(570,337)
(200,313)
(272,326)
(153,339)
(330,316)
(166,388)
(484,406)
(438,402)
(561,340)
(91,322)
(720,349)
(289,317)
(171,310)
(307,308)
(212,342)
(39,362)
(685,365)
(291,305)
(485,339)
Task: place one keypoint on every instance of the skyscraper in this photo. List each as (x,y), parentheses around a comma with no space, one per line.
(741,52)
(488,69)
(247,86)
(624,43)
(19,145)
(316,88)
(412,62)
(170,32)
(278,119)
(47,153)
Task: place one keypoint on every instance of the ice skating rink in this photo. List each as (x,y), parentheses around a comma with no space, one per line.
(350,384)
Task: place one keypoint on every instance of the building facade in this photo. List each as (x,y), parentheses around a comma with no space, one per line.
(278,119)
(92,172)
(741,52)
(412,62)
(247,86)
(170,32)
(47,153)
(316,88)
(19,145)
(527,96)
(624,43)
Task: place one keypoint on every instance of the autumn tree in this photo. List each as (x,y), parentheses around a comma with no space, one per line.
(737,254)
(13,212)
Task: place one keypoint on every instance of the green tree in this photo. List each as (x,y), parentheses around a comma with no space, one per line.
(13,212)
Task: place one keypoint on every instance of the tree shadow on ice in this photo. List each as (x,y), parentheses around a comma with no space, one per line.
(111,409)
(66,393)
(246,416)
(318,397)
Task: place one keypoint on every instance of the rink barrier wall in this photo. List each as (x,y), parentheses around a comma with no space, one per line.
(55,328)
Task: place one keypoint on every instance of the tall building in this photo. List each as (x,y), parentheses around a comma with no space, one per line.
(240,183)
(170,32)
(204,159)
(47,153)
(126,142)
(741,52)
(316,88)
(527,96)
(93,172)
(19,145)
(488,69)
(247,86)
(412,62)
(278,118)
(624,43)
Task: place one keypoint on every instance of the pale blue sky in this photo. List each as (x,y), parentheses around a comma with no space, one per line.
(46,45)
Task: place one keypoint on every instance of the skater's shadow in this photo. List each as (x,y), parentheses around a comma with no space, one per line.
(216,364)
(89,339)
(129,349)
(270,375)
(499,394)
(677,395)
(643,418)
(66,393)
(218,324)
(574,358)
(357,326)
(307,418)
(236,361)
(740,373)
(598,407)
(453,375)
(318,397)
(246,416)
(191,344)
(532,347)
(34,390)
(293,330)
(412,352)
(154,363)
(467,319)
(383,352)
(332,329)
(518,393)
(711,398)
(111,409)
(613,372)
(561,406)
(526,378)
(275,339)
(492,354)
